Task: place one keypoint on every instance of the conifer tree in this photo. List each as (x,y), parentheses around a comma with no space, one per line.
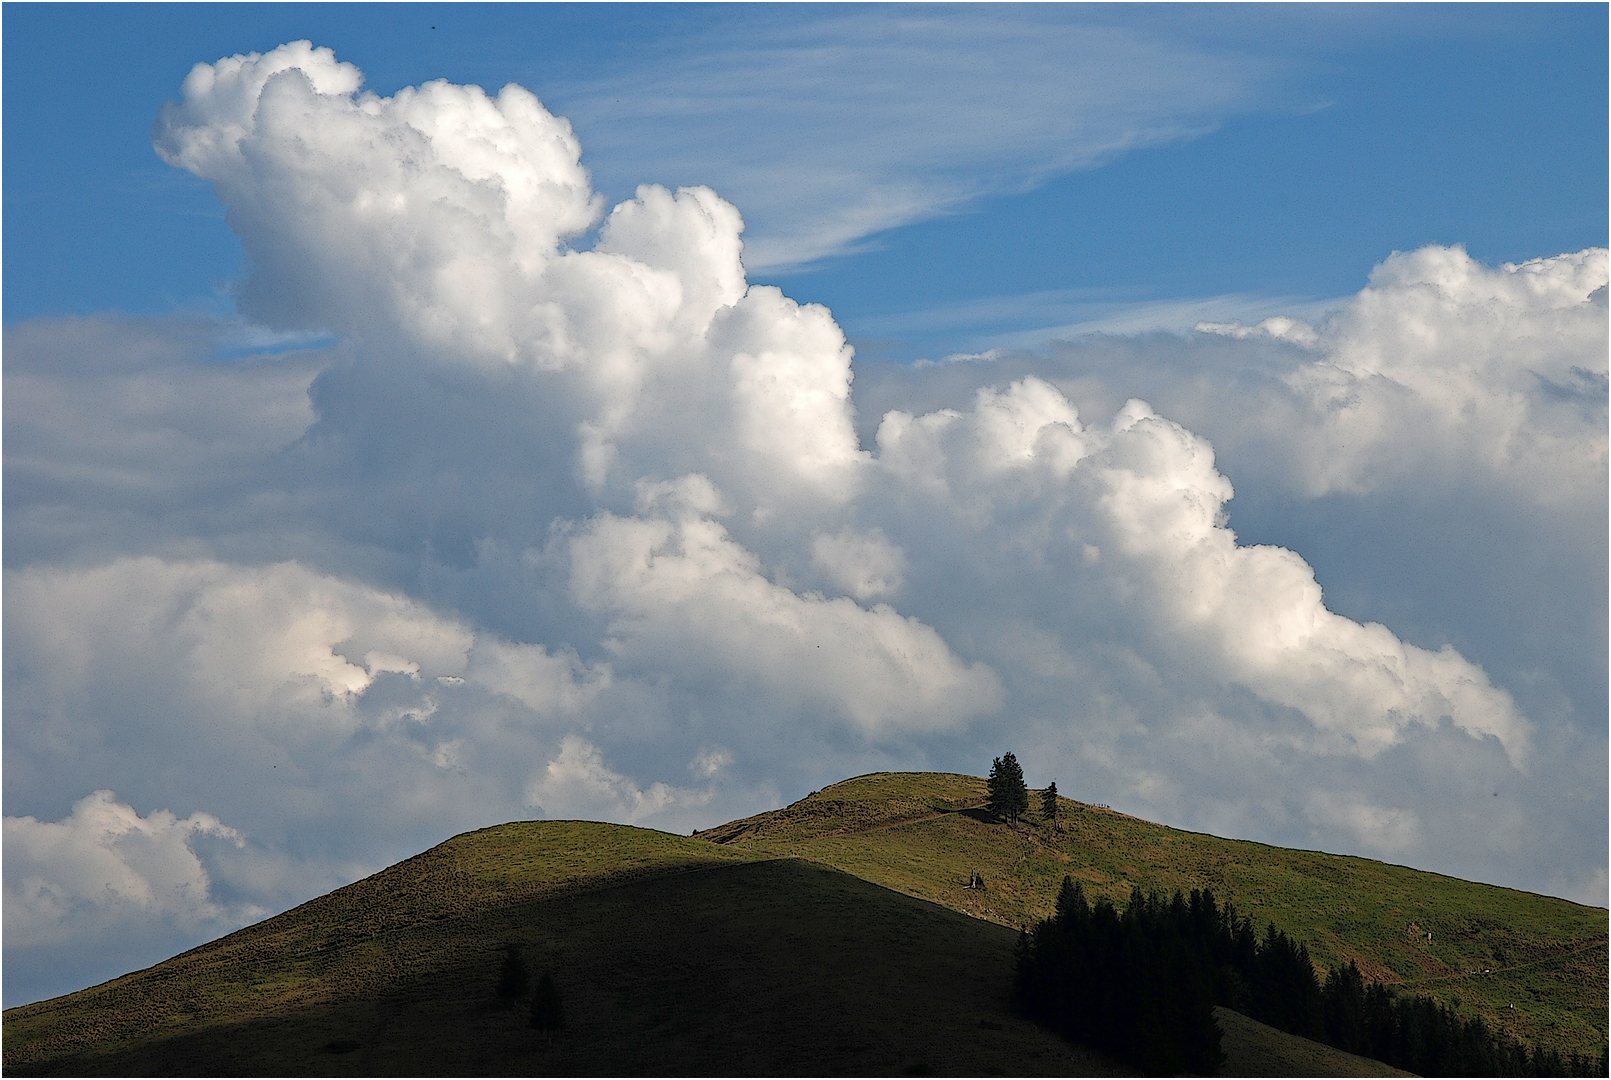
(1009,795)
(512,977)
(995,797)
(1048,802)
(547,1010)
(1142,984)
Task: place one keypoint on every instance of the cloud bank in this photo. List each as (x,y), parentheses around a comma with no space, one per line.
(571,520)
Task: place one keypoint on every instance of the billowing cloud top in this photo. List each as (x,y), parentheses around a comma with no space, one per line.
(1462,363)
(577,522)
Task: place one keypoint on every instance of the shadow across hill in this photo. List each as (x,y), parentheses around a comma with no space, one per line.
(779,967)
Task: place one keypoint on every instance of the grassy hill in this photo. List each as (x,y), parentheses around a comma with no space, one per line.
(1534,966)
(834,936)
(735,968)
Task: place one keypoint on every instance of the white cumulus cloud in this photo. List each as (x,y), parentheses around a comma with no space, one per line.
(1142,501)
(679,591)
(1440,357)
(577,784)
(866,565)
(104,865)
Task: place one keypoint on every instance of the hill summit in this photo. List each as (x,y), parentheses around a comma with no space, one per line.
(868,928)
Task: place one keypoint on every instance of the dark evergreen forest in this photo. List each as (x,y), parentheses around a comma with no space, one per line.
(1142,984)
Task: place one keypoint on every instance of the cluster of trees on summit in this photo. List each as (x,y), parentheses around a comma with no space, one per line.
(1009,795)
(1142,984)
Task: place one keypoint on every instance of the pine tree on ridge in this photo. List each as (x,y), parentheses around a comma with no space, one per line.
(1009,795)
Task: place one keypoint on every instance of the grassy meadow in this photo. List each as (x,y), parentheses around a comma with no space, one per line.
(833,936)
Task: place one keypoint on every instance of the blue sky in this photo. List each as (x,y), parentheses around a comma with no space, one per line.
(1206,403)
(1351,132)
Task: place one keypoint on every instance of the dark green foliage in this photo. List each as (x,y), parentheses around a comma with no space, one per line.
(513,978)
(1343,1003)
(1415,1033)
(1143,984)
(1048,802)
(547,1009)
(1285,993)
(1008,794)
(1132,984)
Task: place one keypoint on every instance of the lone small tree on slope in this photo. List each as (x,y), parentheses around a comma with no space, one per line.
(547,1010)
(1009,795)
(512,977)
(1048,802)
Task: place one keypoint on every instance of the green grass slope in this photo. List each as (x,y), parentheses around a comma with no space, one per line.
(1530,965)
(674,956)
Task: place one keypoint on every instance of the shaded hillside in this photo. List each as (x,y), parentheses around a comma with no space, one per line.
(1255,1049)
(1532,966)
(674,957)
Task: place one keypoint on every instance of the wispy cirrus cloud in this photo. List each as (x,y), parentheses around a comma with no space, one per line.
(872,119)
(1035,320)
